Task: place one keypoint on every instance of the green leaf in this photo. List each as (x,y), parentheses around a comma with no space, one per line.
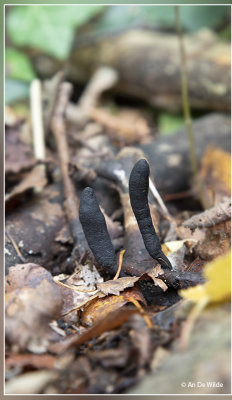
(48,28)
(192,18)
(169,123)
(15,90)
(18,65)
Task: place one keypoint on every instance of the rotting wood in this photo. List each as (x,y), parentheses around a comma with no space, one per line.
(148,66)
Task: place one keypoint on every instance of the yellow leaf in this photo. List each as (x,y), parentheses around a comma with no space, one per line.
(218,285)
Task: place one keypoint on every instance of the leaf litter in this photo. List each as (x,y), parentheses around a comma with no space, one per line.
(67,318)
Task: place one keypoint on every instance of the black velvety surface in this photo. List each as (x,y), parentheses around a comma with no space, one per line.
(138,190)
(95,230)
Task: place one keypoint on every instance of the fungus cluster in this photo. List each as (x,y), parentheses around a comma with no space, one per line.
(94,224)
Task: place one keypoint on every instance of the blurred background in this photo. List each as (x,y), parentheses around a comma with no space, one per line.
(41,40)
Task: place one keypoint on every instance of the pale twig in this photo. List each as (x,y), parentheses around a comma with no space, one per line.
(159,200)
(81,304)
(119,264)
(72,287)
(220,213)
(157,197)
(142,312)
(37,119)
(103,79)
(58,126)
(18,252)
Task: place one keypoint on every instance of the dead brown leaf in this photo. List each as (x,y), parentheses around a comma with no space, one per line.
(217,241)
(33,226)
(30,360)
(25,275)
(111,321)
(118,285)
(215,175)
(154,273)
(36,178)
(128,126)
(30,308)
(18,156)
(101,307)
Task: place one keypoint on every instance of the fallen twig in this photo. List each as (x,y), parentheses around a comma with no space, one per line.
(37,119)
(71,202)
(220,213)
(19,254)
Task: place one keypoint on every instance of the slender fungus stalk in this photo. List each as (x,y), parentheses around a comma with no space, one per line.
(95,230)
(138,190)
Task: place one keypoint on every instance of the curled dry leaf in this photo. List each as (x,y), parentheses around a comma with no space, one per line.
(36,178)
(101,307)
(80,287)
(30,306)
(154,273)
(118,285)
(111,321)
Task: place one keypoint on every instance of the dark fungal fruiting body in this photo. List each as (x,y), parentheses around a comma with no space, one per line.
(138,190)
(95,230)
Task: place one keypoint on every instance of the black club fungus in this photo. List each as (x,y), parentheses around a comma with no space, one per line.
(95,230)
(138,190)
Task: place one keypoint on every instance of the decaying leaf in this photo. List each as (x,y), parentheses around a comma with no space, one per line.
(176,249)
(154,273)
(35,179)
(34,225)
(215,242)
(77,289)
(128,126)
(30,306)
(118,285)
(101,307)
(110,322)
(19,156)
(215,175)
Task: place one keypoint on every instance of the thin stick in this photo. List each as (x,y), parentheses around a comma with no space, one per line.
(185,103)
(71,203)
(37,119)
(81,304)
(104,78)
(119,264)
(19,254)
(73,288)
(142,312)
